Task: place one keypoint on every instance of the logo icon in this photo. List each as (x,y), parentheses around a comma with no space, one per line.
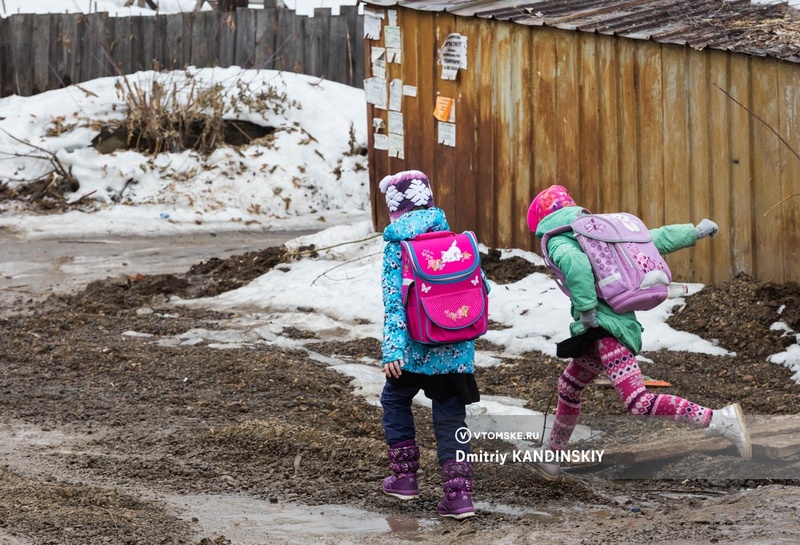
(463,435)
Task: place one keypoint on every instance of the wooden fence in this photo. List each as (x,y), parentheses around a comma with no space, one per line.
(49,51)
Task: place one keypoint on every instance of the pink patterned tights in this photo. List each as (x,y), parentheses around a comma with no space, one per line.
(610,356)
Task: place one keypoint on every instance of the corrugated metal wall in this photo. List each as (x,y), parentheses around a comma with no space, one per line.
(624,124)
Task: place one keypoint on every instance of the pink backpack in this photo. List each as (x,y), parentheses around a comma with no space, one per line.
(629,272)
(443,291)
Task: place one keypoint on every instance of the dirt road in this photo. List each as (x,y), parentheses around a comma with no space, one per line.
(113,429)
(40,266)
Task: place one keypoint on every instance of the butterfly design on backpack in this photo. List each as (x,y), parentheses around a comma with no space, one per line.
(462,312)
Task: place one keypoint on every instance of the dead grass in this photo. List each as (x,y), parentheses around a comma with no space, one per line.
(179,114)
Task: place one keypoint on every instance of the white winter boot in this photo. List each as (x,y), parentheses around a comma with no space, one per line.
(549,471)
(728,422)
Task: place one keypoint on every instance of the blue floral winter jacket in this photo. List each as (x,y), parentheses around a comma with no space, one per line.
(418,358)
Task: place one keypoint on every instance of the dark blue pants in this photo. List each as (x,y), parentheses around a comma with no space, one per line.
(448,416)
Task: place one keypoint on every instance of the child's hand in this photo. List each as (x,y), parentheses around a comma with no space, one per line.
(393,369)
(589,318)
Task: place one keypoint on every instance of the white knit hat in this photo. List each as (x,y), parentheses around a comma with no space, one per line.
(406,190)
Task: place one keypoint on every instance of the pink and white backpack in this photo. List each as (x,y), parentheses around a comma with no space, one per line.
(629,272)
(443,291)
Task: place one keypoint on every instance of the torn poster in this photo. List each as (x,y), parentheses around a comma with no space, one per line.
(396,146)
(377,123)
(391,36)
(381,141)
(372,24)
(447,134)
(392,17)
(453,55)
(395,123)
(375,92)
(377,56)
(396,94)
(393,55)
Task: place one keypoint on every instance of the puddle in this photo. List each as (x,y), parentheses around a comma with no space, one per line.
(14,436)
(248,521)
(528,514)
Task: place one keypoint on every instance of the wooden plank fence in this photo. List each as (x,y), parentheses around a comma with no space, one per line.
(39,52)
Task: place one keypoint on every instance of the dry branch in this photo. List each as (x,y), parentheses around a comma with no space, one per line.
(58,166)
(776,133)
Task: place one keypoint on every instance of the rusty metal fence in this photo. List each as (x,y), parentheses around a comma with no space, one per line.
(626,125)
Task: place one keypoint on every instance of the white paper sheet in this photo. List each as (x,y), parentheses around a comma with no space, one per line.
(447,134)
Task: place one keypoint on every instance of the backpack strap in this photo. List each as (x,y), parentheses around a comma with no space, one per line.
(405,271)
(560,279)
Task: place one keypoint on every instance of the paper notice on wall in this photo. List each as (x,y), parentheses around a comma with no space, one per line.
(392,17)
(393,55)
(380,141)
(444,107)
(447,134)
(378,58)
(396,147)
(396,95)
(376,91)
(395,123)
(391,37)
(372,24)
(377,123)
(409,90)
(453,56)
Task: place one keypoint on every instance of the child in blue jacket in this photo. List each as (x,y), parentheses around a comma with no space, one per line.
(444,373)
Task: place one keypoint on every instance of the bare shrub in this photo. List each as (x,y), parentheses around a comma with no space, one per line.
(172,116)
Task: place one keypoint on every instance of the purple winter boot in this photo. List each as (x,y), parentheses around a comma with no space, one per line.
(457,501)
(404,462)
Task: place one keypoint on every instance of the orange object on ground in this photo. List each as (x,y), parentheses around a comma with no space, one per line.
(649,382)
(656,383)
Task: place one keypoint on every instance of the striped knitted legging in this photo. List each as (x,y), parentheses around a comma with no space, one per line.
(610,356)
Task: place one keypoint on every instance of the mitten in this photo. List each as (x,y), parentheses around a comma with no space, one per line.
(589,318)
(706,228)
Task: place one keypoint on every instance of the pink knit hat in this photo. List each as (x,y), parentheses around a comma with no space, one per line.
(546,202)
(406,190)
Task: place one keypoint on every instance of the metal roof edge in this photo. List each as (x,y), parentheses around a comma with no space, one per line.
(734,26)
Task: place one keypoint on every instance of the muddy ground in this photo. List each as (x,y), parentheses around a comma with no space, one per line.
(103,430)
